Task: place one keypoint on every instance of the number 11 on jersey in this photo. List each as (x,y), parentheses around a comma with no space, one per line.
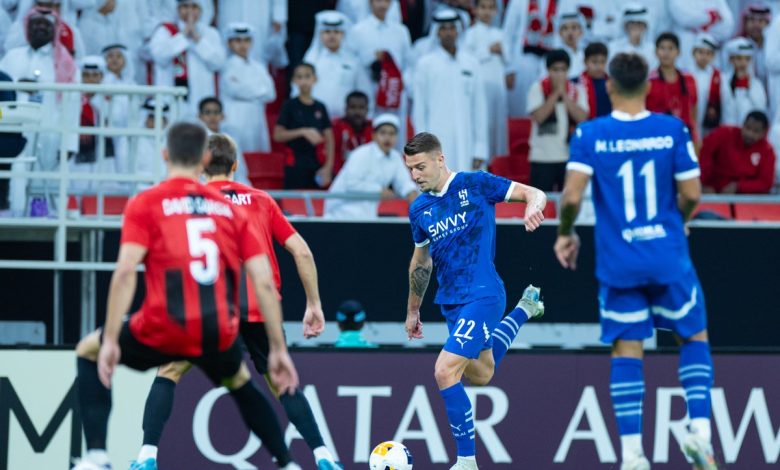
(626,172)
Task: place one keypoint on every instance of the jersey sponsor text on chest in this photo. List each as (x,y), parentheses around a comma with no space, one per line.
(448,225)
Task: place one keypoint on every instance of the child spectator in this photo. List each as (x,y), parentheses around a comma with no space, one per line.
(594,80)
(635,34)
(352,130)
(304,124)
(246,87)
(671,90)
(571,27)
(741,92)
(708,79)
(739,160)
(484,42)
(556,106)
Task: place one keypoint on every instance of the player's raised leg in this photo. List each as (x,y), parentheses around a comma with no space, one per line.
(529,306)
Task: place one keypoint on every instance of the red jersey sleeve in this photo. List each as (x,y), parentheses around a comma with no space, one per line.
(281,228)
(250,239)
(137,226)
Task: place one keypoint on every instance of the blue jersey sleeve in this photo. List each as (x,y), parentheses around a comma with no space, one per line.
(686,164)
(579,156)
(419,235)
(494,188)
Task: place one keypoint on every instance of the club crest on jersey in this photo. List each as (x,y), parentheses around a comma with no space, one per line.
(755,158)
(463,194)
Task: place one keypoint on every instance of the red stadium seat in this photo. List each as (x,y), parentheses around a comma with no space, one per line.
(757,212)
(112,205)
(519,130)
(505,210)
(297,206)
(393,208)
(514,167)
(265,170)
(722,209)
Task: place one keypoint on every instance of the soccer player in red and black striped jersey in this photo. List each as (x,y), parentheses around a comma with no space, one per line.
(193,245)
(274,226)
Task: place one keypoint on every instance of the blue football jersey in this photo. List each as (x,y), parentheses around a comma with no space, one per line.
(634,164)
(459,223)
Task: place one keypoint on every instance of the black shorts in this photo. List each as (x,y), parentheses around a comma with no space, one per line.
(139,356)
(255,340)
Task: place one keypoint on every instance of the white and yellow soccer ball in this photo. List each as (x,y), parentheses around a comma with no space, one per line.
(390,455)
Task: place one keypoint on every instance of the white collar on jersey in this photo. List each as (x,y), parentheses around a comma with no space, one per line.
(446,186)
(621,116)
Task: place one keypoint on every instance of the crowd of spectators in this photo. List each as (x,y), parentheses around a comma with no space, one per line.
(308,77)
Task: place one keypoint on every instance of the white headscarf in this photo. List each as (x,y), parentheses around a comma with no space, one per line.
(327,20)
(441,16)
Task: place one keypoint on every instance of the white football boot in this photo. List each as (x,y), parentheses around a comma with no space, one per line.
(465,464)
(530,302)
(637,463)
(700,451)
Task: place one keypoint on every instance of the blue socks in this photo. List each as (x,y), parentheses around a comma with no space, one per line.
(506,332)
(696,376)
(627,388)
(461,418)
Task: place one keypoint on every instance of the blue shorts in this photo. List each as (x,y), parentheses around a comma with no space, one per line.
(471,325)
(632,313)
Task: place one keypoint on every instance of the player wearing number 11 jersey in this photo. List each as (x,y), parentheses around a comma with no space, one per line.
(645,187)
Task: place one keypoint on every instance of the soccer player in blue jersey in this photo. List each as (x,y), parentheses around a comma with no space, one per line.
(646,185)
(454,228)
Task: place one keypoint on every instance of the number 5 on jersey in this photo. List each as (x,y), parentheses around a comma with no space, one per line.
(203,271)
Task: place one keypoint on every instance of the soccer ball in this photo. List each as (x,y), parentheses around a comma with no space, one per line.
(390,455)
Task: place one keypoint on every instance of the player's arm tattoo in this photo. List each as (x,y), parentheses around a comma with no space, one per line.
(419,276)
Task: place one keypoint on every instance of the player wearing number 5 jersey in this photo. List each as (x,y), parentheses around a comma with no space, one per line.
(260,207)
(645,187)
(454,228)
(193,244)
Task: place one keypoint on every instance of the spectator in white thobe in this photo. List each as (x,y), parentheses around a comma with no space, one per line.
(485,42)
(570,27)
(449,97)
(187,53)
(690,17)
(740,91)
(69,35)
(528,35)
(338,71)
(376,40)
(376,167)
(708,78)
(357,10)
(753,22)
(246,87)
(772,62)
(635,34)
(268,19)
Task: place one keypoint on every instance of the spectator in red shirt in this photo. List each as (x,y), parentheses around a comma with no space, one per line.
(739,160)
(672,91)
(352,130)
